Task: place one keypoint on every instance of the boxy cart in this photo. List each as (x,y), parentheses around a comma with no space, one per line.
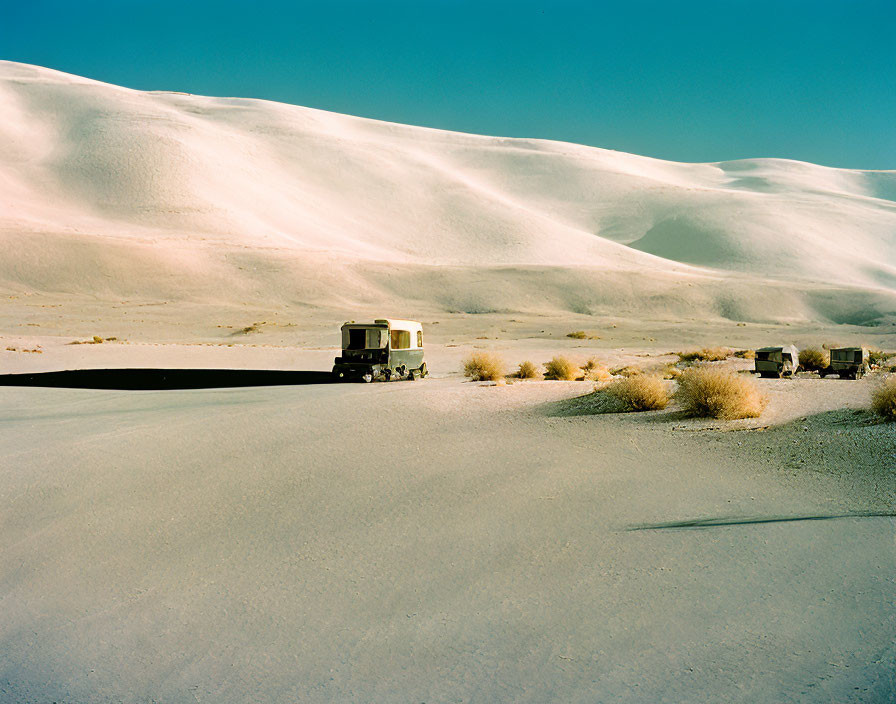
(384,350)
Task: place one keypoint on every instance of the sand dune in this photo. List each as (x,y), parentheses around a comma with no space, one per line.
(116,193)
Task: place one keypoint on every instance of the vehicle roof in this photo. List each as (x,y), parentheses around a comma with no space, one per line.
(779,348)
(391,323)
(397,324)
(850,349)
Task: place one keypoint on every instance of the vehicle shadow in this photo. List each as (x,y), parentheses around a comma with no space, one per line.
(165,379)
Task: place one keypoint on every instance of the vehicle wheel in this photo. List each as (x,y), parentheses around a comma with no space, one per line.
(367,378)
(414,375)
(423,370)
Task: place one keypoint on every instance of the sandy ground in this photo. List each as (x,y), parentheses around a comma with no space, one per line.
(439,541)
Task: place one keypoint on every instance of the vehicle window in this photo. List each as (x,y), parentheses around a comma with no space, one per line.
(419,338)
(401,339)
(357,339)
(375,339)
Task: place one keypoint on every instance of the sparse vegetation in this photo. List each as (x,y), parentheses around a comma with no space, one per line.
(745,354)
(528,370)
(97,340)
(671,372)
(707,354)
(593,370)
(578,335)
(813,359)
(640,392)
(879,357)
(883,401)
(711,392)
(561,369)
(628,370)
(484,366)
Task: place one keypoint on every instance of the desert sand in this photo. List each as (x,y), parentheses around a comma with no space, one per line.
(440,540)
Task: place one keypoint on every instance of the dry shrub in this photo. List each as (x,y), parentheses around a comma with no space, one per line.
(593,370)
(745,354)
(883,401)
(561,369)
(707,354)
(671,372)
(879,356)
(641,392)
(578,335)
(710,392)
(483,366)
(630,370)
(813,359)
(528,370)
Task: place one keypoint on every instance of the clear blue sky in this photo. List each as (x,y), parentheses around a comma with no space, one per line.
(691,81)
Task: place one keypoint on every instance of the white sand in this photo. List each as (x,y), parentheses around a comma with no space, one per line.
(126,198)
(438,541)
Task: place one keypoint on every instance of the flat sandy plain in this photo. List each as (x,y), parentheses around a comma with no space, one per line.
(438,541)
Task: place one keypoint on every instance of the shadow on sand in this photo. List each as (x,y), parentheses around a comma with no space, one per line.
(165,379)
(734,521)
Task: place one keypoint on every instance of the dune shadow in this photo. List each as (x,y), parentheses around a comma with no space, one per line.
(598,403)
(735,521)
(165,379)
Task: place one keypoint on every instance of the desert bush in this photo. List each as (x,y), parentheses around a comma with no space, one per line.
(97,340)
(528,370)
(883,400)
(561,369)
(483,366)
(745,354)
(628,370)
(707,354)
(593,370)
(578,335)
(879,356)
(640,392)
(670,371)
(710,392)
(813,359)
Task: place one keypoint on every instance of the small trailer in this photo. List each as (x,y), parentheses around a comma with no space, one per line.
(775,362)
(384,350)
(847,363)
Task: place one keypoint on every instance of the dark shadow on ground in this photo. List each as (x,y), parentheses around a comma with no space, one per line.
(734,521)
(165,379)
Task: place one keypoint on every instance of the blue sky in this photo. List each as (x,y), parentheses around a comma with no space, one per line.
(689,81)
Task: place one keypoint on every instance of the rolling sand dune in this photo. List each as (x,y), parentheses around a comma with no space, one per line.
(118,194)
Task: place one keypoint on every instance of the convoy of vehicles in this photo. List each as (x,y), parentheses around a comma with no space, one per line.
(388,349)
(384,350)
(845,362)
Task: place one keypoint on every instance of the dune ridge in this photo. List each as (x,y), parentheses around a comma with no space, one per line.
(115,193)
